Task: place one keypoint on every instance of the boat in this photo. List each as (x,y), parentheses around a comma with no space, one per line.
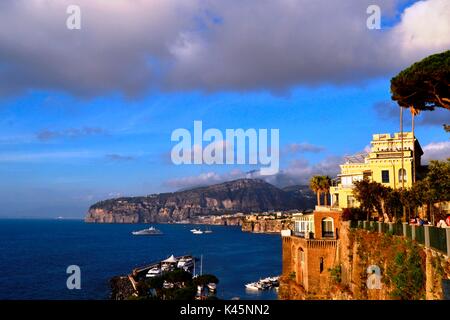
(264,284)
(185,263)
(252,286)
(207,231)
(153,272)
(197,232)
(147,232)
(212,287)
(193,230)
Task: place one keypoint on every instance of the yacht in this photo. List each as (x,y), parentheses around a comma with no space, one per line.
(185,263)
(153,272)
(147,232)
(197,231)
(252,286)
(207,231)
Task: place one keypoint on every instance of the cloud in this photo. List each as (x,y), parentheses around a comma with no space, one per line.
(304,147)
(46,135)
(132,47)
(118,157)
(297,172)
(436,151)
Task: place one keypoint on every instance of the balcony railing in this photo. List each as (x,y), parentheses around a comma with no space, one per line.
(430,236)
(302,234)
(327,234)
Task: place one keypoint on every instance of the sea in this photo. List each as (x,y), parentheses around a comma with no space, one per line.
(35,255)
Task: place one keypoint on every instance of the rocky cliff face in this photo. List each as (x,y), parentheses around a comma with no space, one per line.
(244,195)
(267,226)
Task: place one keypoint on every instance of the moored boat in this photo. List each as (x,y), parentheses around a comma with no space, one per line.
(152,231)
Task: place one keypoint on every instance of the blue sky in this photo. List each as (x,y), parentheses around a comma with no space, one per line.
(65,145)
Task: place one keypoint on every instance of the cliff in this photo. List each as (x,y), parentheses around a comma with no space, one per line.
(244,195)
(267,225)
(407,269)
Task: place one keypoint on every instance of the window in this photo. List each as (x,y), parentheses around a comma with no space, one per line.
(351,201)
(321,265)
(385,176)
(327,227)
(402,175)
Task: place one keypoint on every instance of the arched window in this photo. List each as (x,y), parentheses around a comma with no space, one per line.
(402,176)
(328,227)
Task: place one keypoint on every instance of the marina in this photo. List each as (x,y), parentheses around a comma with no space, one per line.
(108,250)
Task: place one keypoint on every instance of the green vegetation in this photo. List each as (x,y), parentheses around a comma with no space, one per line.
(336,274)
(406,274)
(425,84)
(374,197)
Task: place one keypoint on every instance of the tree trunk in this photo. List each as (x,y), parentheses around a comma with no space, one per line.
(325,198)
(413,150)
(318,198)
(401,138)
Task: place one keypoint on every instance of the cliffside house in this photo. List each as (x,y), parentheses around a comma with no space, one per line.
(310,250)
(383,164)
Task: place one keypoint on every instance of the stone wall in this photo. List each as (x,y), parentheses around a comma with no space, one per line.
(356,250)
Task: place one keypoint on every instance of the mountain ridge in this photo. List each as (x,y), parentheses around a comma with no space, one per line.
(242,195)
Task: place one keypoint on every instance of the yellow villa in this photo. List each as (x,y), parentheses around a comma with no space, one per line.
(383,164)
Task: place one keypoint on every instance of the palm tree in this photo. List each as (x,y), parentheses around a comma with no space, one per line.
(315,185)
(325,183)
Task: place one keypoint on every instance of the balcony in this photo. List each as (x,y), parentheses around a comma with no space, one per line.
(306,235)
(327,234)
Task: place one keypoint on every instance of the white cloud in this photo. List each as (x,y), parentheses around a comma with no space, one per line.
(297,172)
(436,151)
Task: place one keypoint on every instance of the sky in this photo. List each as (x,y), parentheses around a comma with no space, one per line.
(88,114)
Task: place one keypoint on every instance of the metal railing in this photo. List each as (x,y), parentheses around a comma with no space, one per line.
(429,236)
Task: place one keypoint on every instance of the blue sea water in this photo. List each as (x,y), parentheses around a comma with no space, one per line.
(34,256)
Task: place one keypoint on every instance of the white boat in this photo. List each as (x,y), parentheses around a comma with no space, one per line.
(197,232)
(193,230)
(252,286)
(154,272)
(147,232)
(207,231)
(185,263)
(264,284)
(212,287)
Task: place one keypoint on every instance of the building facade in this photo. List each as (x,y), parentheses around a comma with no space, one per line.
(309,251)
(383,164)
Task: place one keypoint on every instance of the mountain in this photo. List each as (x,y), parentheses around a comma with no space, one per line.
(243,195)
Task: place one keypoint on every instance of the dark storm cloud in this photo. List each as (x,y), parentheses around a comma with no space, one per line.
(131,47)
